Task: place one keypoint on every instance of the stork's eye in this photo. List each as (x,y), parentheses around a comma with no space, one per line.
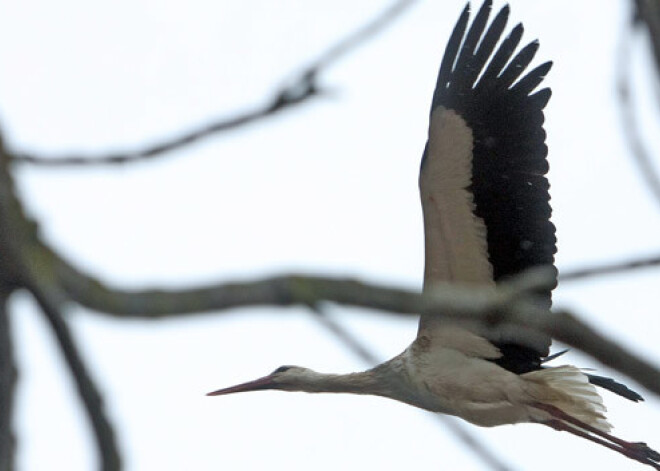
(281,369)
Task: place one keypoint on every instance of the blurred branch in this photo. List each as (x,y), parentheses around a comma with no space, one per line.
(350,341)
(10,211)
(509,304)
(648,12)
(472,443)
(457,430)
(8,376)
(366,32)
(27,263)
(282,290)
(609,269)
(300,90)
(91,398)
(629,122)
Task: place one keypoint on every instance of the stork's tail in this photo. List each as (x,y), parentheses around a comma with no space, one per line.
(603,382)
(569,389)
(615,387)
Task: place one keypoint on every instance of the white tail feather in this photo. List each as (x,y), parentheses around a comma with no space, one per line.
(568,389)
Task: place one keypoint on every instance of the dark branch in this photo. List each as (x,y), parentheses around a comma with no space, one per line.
(283,290)
(302,88)
(609,269)
(363,34)
(469,440)
(27,263)
(629,122)
(351,342)
(8,375)
(648,11)
(503,306)
(567,328)
(103,431)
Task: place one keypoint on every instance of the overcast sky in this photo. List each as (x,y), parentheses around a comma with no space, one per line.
(329,187)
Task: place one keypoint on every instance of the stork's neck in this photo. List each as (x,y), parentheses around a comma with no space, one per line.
(364,382)
(388,379)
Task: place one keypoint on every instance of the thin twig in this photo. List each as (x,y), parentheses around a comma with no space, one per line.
(300,90)
(629,122)
(367,31)
(469,440)
(609,269)
(8,374)
(103,430)
(304,88)
(344,336)
(457,430)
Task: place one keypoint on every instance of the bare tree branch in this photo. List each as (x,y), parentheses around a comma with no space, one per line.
(91,398)
(303,87)
(26,263)
(609,269)
(10,210)
(351,342)
(366,32)
(566,327)
(283,290)
(506,305)
(470,441)
(8,375)
(458,431)
(648,11)
(629,122)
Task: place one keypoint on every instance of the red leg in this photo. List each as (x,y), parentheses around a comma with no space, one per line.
(635,450)
(564,427)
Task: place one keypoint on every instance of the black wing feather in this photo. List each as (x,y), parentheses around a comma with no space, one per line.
(466,68)
(530,81)
(509,156)
(517,65)
(449,58)
(501,57)
(489,41)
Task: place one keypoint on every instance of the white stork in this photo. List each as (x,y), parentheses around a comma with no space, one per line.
(486,217)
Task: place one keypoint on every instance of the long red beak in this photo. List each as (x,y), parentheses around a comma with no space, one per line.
(262,383)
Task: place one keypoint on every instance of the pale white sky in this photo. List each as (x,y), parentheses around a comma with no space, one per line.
(330,187)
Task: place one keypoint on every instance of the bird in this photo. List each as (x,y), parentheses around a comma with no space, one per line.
(486,211)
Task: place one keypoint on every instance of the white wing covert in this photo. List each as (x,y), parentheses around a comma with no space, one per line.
(482,179)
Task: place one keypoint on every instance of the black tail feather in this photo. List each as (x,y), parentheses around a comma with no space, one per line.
(615,387)
(553,356)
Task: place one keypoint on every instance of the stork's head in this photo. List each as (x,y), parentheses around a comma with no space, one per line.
(287,378)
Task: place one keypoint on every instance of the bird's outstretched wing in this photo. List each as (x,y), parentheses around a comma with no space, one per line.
(482,179)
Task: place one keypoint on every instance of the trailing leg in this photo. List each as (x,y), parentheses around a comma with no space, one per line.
(638,451)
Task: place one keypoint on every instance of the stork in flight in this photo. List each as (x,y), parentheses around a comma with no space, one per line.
(486,217)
